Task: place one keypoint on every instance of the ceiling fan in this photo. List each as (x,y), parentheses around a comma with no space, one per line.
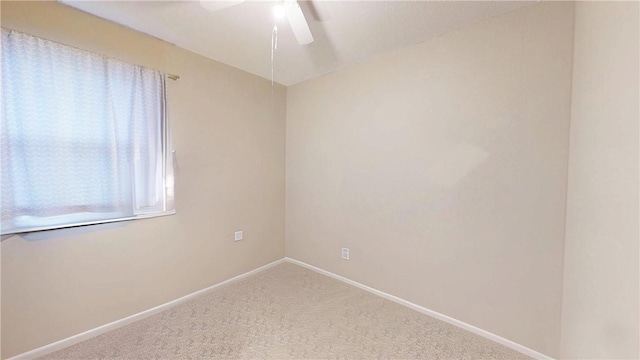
(288,8)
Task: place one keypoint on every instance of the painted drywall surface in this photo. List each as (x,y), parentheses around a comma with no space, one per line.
(228,131)
(443,168)
(600,299)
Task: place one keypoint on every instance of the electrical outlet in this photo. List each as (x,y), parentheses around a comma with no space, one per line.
(345,253)
(238,236)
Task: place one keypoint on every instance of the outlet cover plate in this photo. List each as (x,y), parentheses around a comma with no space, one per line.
(238,236)
(345,253)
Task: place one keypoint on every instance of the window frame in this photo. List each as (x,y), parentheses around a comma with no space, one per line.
(167,160)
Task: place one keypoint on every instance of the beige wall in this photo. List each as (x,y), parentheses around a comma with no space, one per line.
(229,136)
(443,167)
(600,302)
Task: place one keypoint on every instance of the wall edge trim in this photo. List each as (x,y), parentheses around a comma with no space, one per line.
(455,322)
(86,335)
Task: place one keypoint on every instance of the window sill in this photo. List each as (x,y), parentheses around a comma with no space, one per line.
(33,230)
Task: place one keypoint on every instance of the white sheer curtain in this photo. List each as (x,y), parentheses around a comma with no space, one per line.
(84,137)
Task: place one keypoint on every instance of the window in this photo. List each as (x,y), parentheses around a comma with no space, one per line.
(84,138)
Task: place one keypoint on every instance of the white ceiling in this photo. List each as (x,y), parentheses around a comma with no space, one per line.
(345,32)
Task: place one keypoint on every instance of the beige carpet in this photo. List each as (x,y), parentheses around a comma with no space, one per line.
(286,312)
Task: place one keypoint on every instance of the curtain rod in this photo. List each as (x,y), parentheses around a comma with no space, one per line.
(170,76)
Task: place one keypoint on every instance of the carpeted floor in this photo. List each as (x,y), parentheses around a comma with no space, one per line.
(287,312)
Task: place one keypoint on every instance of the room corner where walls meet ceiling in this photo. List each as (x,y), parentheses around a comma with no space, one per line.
(345,32)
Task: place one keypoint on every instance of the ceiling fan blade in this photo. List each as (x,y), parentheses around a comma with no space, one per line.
(298,23)
(215,5)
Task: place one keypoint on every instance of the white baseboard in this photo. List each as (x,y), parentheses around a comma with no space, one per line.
(485,334)
(59,345)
